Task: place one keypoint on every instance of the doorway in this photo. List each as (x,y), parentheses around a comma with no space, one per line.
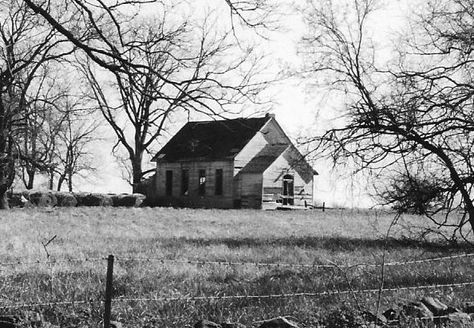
(288,189)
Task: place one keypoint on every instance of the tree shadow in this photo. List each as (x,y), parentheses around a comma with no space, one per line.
(326,243)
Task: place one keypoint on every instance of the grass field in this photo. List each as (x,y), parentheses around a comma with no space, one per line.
(336,237)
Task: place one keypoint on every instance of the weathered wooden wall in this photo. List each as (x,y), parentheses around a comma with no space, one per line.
(248,187)
(193,199)
(273,182)
(248,190)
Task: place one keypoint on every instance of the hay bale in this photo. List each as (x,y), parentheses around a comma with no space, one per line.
(89,199)
(128,200)
(43,198)
(80,197)
(16,199)
(66,199)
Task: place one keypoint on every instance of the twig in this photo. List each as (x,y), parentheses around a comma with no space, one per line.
(45,245)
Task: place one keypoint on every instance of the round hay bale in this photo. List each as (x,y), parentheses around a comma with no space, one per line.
(128,200)
(96,200)
(125,200)
(80,197)
(66,199)
(16,199)
(43,199)
(106,200)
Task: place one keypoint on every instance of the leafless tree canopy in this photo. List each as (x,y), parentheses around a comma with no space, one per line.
(411,115)
(27,45)
(156,67)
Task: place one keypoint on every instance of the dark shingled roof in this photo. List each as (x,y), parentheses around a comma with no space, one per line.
(210,140)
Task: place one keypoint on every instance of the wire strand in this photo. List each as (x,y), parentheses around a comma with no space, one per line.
(290,295)
(33,262)
(43,304)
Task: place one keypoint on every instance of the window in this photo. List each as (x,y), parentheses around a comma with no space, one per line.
(202,182)
(169,183)
(219,182)
(185,182)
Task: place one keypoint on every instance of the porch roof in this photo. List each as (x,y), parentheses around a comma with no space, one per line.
(264,158)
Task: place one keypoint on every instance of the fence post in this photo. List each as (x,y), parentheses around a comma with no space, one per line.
(324,206)
(108,291)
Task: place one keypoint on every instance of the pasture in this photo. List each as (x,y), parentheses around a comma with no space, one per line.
(176,266)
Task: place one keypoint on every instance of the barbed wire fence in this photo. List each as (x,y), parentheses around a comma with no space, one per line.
(110,296)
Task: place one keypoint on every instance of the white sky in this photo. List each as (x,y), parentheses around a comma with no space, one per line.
(300,111)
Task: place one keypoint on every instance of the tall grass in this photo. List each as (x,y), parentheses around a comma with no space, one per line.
(340,237)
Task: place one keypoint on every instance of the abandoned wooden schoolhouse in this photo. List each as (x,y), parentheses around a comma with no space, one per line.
(238,163)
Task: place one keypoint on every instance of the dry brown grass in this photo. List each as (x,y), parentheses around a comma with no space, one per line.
(342,237)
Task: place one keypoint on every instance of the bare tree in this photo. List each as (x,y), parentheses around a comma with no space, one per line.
(152,82)
(26,44)
(203,63)
(415,113)
(75,137)
(105,24)
(36,144)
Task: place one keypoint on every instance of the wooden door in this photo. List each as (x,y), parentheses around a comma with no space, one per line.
(288,189)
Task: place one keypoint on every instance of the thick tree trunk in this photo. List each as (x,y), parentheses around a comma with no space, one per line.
(69,181)
(137,171)
(7,170)
(3,199)
(51,181)
(137,178)
(470,211)
(468,205)
(31,180)
(60,182)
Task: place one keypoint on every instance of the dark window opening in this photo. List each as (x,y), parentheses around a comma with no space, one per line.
(169,183)
(219,182)
(185,182)
(202,182)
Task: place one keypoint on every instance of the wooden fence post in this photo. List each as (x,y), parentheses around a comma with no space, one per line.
(108,291)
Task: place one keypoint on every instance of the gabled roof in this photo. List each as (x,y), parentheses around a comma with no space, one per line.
(211,140)
(264,158)
(271,152)
(299,164)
